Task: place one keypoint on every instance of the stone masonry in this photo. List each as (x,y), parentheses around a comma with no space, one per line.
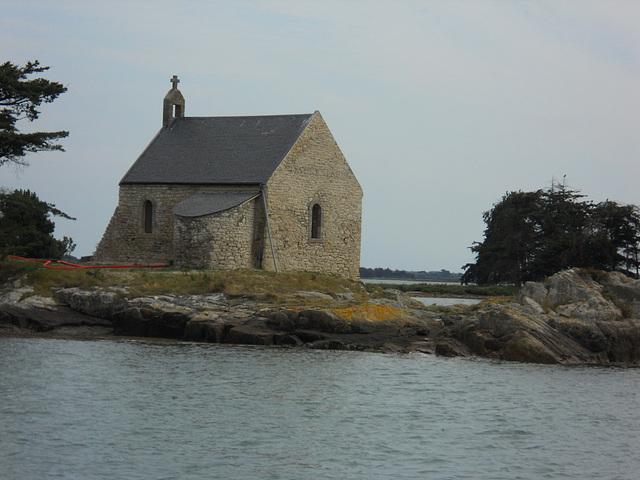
(312,185)
(125,240)
(315,171)
(228,240)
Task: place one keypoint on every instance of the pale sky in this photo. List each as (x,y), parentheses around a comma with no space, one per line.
(440,107)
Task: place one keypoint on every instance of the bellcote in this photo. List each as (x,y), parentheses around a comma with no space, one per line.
(173,104)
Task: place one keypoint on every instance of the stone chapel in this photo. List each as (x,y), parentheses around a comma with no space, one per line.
(253,192)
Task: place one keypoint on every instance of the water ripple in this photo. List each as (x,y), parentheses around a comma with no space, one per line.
(157,410)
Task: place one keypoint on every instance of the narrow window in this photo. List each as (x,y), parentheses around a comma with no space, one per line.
(148,217)
(316,221)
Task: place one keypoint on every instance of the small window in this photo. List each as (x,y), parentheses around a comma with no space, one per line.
(148,217)
(316,221)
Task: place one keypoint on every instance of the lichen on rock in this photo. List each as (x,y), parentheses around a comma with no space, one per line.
(574,317)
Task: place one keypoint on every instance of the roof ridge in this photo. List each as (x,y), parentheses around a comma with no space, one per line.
(251,116)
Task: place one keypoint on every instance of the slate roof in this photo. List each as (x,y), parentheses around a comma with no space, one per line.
(204,203)
(217,150)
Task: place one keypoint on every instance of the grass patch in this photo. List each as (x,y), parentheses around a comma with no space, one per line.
(452,290)
(276,288)
(11,270)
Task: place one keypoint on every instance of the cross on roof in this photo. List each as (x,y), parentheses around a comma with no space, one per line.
(175,80)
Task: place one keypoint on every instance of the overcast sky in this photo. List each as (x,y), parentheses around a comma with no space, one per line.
(440,107)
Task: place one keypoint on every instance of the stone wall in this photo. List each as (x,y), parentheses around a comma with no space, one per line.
(228,240)
(125,240)
(315,171)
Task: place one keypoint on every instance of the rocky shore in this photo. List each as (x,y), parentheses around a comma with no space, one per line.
(574,317)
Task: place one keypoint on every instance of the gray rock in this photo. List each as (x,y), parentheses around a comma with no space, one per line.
(532,306)
(147,318)
(317,295)
(205,327)
(98,302)
(345,297)
(623,341)
(571,286)
(575,316)
(248,335)
(322,321)
(451,349)
(16,316)
(15,295)
(578,293)
(511,332)
(524,347)
(586,333)
(397,299)
(535,292)
(592,310)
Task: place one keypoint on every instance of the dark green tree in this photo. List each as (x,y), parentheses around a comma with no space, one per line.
(26,228)
(562,220)
(512,241)
(20,98)
(530,235)
(616,229)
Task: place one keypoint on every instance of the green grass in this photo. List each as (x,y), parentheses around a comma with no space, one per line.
(42,279)
(276,288)
(453,290)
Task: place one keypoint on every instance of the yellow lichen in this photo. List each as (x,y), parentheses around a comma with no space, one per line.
(369,313)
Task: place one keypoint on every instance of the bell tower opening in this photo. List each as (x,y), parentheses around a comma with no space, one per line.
(173,104)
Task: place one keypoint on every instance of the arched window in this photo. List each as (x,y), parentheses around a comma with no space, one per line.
(316,221)
(148,216)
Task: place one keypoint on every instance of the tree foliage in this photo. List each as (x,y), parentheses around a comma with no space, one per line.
(434,276)
(26,228)
(530,235)
(20,98)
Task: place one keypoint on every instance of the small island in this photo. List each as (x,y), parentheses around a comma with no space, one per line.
(577,316)
(299,211)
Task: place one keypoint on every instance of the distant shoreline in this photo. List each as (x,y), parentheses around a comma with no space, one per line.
(405,281)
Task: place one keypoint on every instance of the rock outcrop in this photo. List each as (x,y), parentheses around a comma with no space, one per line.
(574,317)
(44,314)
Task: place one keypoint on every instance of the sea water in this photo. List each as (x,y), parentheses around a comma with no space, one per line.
(154,410)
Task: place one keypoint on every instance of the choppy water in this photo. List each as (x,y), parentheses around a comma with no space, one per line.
(144,410)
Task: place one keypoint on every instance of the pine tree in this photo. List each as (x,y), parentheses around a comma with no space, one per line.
(531,235)
(20,99)
(26,229)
